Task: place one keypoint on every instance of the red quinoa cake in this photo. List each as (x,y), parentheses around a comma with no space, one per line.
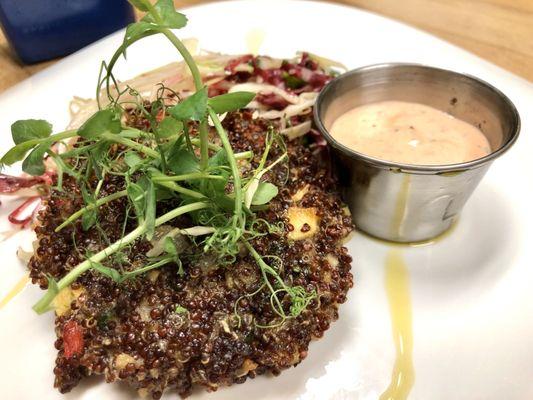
(213,325)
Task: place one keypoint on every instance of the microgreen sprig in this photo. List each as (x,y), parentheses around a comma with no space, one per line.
(163,161)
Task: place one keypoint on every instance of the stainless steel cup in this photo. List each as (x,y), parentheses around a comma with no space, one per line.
(404,202)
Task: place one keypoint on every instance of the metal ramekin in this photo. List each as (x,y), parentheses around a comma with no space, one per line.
(405,202)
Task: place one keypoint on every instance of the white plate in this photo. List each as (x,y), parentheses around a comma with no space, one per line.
(471,292)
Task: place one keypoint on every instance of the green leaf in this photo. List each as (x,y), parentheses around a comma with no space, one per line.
(107,271)
(181,161)
(136,195)
(168,127)
(193,107)
(34,163)
(265,192)
(98,154)
(162,193)
(132,159)
(138,30)
(16,153)
(219,159)
(30,129)
(293,82)
(230,101)
(150,207)
(102,121)
(216,164)
(142,195)
(139,4)
(223,201)
(88,218)
(170,246)
(170,18)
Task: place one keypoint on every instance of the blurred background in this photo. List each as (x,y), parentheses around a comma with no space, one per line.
(36,33)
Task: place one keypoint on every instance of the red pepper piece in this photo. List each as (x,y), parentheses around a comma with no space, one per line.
(72,339)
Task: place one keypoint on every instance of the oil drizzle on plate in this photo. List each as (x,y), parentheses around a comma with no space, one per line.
(399,297)
(254,40)
(19,286)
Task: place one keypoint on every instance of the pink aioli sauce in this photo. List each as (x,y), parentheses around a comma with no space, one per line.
(409,133)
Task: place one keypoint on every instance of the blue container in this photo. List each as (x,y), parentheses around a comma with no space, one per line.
(39,30)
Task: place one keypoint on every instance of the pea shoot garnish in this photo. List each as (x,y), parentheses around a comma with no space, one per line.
(164,161)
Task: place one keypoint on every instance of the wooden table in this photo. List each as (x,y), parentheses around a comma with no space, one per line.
(500,31)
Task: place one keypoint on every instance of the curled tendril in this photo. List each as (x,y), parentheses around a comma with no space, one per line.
(247,295)
(261,227)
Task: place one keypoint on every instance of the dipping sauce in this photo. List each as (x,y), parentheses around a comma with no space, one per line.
(409,133)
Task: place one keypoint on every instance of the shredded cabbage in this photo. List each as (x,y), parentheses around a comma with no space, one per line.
(176,77)
(305,101)
(265,89)
(296,131)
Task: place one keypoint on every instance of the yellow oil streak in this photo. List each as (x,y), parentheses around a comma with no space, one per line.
(19,286)
(399,297)
(254,40)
